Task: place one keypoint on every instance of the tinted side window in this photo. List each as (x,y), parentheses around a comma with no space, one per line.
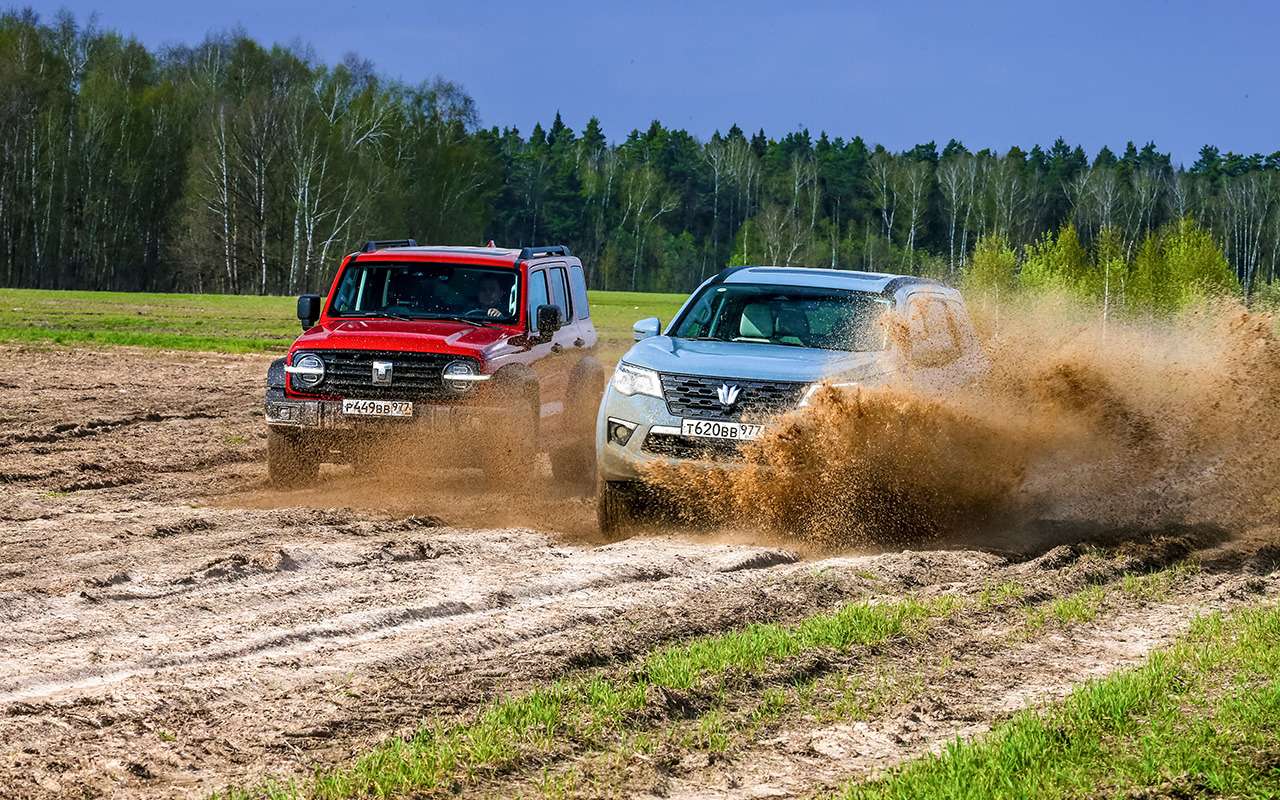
(578,283)
(560,291)
(933,336)
(537,296)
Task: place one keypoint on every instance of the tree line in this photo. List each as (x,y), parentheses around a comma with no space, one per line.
(228,166)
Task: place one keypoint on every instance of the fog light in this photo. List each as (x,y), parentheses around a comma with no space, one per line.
(620,431)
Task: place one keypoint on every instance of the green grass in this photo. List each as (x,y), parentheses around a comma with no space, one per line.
(1006,593)
(1085,605)
(229,323)
(602,712)
(1199,719)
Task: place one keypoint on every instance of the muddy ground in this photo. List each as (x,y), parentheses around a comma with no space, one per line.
(171,626)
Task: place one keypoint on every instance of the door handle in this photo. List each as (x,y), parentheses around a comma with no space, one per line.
(556,348)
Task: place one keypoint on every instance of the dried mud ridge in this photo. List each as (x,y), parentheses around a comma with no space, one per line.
(172,627)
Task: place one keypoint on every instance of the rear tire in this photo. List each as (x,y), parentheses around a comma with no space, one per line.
(617,507)
(290,463)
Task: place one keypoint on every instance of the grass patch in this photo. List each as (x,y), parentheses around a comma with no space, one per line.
(230,323)
(1202,718)
(1085,604)
(1081,606)
(1000,595)
(711,695)
(606,713)
(1153,587)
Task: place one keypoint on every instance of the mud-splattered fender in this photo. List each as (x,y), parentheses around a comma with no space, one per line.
(275,374)
(275,380)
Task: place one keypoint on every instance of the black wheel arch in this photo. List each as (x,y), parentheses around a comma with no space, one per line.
(275,374)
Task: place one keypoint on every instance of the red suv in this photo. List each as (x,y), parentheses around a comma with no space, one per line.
(485,346)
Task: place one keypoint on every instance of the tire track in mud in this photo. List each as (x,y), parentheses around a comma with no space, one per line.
(519,601)
(65,431)
(496,645)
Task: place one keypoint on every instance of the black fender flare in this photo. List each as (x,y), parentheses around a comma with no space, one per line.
(275,381)
(275,374)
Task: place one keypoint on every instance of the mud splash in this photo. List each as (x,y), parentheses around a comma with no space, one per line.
(1137,424)
(483,474)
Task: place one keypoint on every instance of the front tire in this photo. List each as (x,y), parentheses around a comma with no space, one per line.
(290,463)
(617,506)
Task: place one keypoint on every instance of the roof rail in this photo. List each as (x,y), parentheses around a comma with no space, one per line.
(379,244)
(545,250)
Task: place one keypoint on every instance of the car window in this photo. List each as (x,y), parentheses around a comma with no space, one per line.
(794,316)
(933,337)
(537,296)
(560,291)
(420,290)
(578,283)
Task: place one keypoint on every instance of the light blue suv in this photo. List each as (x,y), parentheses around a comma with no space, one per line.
(750,343)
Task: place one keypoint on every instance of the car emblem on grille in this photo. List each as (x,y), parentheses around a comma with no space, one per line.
(382,372)
(727,394)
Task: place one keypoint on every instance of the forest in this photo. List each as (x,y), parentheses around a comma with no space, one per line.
(231,166)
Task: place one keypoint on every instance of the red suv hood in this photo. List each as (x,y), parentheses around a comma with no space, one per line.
(418,336)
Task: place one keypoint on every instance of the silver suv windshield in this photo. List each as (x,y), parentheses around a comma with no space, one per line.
(796,316)
(427,291)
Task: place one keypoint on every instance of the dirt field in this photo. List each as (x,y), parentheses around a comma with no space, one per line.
(171,626)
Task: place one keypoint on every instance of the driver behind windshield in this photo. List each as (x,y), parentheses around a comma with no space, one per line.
(492,300)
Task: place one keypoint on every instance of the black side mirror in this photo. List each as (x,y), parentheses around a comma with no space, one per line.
(308,310)
(549,321)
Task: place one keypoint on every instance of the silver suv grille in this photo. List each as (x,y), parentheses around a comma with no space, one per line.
(698,396)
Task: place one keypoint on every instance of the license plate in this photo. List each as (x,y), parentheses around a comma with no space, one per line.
(711,429)
(377,408)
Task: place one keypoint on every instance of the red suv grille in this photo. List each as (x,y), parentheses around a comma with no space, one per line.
(413,375)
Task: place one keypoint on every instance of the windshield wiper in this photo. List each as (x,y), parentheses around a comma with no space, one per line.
(479,323)
(459,318)
(378,314)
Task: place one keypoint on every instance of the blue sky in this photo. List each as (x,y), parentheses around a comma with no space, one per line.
(990,74)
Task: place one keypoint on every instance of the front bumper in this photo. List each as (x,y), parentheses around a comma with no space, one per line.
(653,422)
(327,415)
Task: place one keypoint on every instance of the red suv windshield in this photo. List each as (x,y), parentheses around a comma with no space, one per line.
(427,291)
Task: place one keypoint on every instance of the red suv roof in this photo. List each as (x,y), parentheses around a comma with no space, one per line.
(504,255)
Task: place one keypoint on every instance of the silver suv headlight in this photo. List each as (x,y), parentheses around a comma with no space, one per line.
(307,370)
(807,399)
(629,379)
